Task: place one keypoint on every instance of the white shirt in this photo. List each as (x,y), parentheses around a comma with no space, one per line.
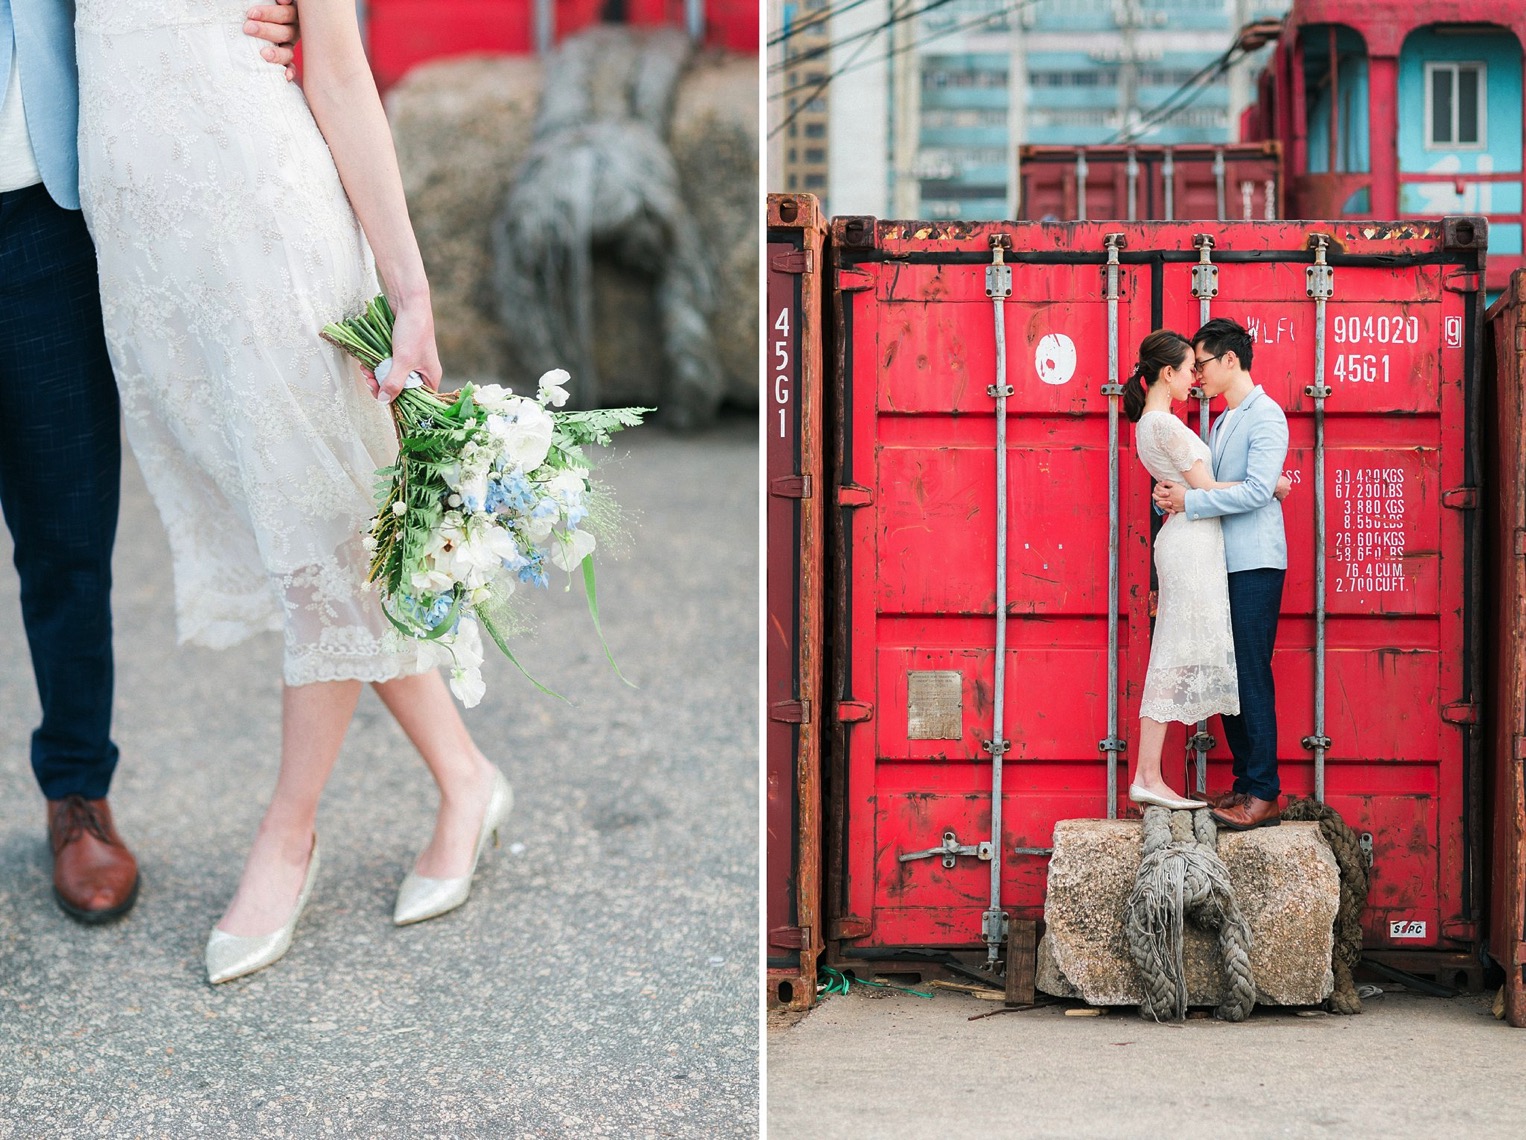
(1220,427)
(18,163)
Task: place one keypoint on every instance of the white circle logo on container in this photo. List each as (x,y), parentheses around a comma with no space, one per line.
(1055,359)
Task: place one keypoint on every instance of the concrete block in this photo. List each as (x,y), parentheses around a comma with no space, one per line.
(1285,881)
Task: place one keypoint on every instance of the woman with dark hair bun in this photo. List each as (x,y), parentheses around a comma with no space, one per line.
(1191,675)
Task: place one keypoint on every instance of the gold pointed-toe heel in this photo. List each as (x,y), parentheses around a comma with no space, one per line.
(419,898)
(230,956)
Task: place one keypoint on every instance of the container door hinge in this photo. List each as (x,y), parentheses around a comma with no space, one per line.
(1464,282)
(1520,544)
(1460,931)
(1463,712)
(854,281)
(791,712)
(789,937)
(1365,843)
(852,711)
(796,261)
(852,495)
(1313,742)
(1520,953)
(1319,281)
(791,487)
(1113,744)
(950,851)
(1520,747)
(849,926)
(1460,498)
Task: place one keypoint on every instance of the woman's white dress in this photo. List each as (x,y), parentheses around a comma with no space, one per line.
(225,243)
(1192,650)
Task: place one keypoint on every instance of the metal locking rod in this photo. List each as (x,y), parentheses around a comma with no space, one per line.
(1218,182)
(949,851)
(1321,287)
(1113,390)
(1205,287)
(998,288)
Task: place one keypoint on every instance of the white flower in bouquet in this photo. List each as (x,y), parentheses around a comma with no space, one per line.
(493,397)
(466,670)
(569,548)
(523,433)
(551,390)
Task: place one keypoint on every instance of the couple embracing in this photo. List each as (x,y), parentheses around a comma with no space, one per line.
(230,215)
(1220,559)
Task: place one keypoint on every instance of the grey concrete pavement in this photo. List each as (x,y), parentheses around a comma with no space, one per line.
(898,1067)
(601,981)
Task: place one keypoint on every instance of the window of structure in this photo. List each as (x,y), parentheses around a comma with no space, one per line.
(1454,106)
(794,182)
(816,105)
(815,181)
(812,130)
(793,128)
(815,154)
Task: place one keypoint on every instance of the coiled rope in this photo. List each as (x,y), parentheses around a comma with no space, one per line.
(1344,843)
(1181,877)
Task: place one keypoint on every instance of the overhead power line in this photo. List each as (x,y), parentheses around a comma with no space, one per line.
(938,33)
(811,21)
(866,33)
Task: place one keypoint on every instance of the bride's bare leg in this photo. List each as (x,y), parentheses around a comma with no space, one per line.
(313,722)
(425,710)
(1152,742)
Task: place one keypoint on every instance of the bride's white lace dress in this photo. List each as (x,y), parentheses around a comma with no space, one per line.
(1192,650)
(225,242)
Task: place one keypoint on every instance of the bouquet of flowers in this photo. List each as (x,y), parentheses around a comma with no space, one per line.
(488,491)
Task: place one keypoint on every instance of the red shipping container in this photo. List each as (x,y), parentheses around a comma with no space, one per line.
(916,621)
(1135,183)
(1507,588)
(402,34)
(793,430)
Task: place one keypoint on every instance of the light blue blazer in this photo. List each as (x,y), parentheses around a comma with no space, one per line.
(40,34)
(1250,451)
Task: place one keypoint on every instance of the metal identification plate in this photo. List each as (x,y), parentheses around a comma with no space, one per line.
(934,705)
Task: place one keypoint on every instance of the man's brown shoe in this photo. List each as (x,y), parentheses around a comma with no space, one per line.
(1226,799)
(95,877)
(1249,813)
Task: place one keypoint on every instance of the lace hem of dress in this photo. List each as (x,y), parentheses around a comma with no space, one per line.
(1171,712)
(308,669)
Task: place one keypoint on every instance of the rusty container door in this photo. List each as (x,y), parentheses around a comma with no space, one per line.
(792,427)
(1507,588)
(1129,183)
(1377,689)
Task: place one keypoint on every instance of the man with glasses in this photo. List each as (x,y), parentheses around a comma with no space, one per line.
(1249,442)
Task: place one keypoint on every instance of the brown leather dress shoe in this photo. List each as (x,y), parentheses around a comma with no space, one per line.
(1249,813)
(1226,799)
(95,877)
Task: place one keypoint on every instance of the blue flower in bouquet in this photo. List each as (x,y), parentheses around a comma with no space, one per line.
(532,569)
(511,491)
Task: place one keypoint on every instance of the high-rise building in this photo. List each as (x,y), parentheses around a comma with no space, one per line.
(799,65)
(963,83)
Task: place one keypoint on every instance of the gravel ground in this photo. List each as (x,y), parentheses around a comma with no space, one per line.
(602,981)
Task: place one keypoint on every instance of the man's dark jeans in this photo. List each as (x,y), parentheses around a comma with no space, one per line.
(1255,596)
(60,469)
